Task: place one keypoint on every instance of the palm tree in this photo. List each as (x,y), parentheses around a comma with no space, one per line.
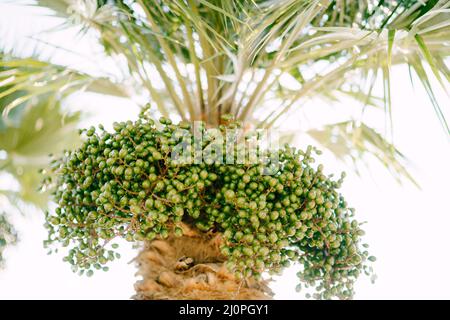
(200,59)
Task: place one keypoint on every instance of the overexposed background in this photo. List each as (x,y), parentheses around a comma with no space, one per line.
(408,228)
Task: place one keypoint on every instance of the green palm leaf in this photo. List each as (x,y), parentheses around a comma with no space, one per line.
(31,78)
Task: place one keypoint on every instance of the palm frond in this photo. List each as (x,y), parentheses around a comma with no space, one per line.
(31,78)
(378,49)
(351,141)
(223,41)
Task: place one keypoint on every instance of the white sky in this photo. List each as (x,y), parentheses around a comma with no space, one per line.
(408,228)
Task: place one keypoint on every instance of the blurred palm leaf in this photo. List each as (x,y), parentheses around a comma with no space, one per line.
(32,129)
(351,141)
(8,235)
(38,78)
(43,129)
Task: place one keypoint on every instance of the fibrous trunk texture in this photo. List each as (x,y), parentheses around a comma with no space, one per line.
(191,267)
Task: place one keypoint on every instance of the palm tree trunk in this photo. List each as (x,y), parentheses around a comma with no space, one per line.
(191,267)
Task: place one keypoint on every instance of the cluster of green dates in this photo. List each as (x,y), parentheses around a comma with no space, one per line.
(128,184)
